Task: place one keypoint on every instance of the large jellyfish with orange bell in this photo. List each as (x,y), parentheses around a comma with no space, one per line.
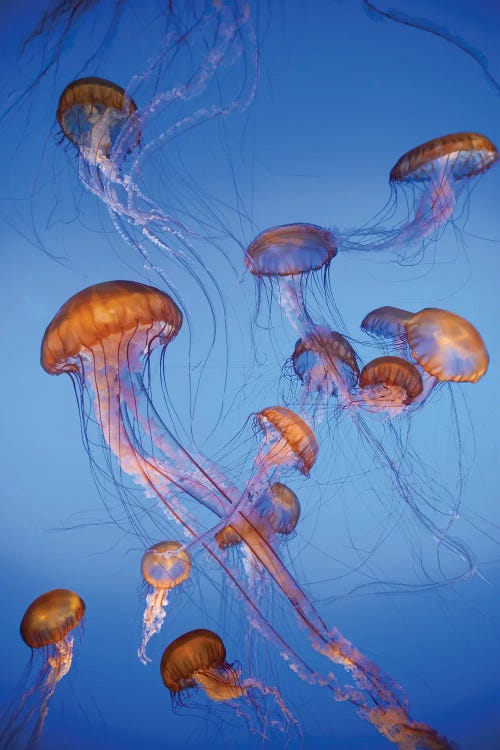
(103,337)
(46,626)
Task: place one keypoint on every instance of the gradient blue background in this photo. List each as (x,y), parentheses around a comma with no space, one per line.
(341,98)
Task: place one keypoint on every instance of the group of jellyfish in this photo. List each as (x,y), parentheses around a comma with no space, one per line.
(103,338)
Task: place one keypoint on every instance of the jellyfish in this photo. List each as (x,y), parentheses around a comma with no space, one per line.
(197,659)
(327,366)
(103,337)
(276,512)
(436,172)
(97,116)
(164,567)
(288,255)
(46,626)
(389,383)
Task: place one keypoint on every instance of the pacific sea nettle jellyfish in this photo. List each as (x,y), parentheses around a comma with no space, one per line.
(327,366)
(164,566)
(436,172)
(276,512)
(197,659)
(46,626)
(95,115)
(103,338)
(287,256)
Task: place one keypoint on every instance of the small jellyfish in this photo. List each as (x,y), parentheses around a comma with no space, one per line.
(164,567)
(46,626)
(326,363)
(289,254)
(95,115)
(288,439)
(197,659)
(389,384)
(276,512)
(386,323)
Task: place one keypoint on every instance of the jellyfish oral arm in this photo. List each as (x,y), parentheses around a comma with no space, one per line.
(153,618)
(438,200)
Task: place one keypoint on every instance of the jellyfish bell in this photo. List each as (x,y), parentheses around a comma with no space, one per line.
(165,566)
(96,115)
(198,659)
(288,438)
(50,617)
(389,384)
(107,323)
(276,513)
(290,250)
(447,346)
(386,322)
(46,627)
(462,155)
(326,363)
(280,508)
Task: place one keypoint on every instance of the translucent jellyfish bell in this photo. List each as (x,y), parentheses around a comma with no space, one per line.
(447,346)
(93,114)
(276,512)
(326,363)
(386,322)
(290,250)
(288,438)
(164,566)
(389,384)
(464,155)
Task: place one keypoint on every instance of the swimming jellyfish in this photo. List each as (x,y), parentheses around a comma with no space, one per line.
(436,172)
(197,659)
(46,626)
(164,566)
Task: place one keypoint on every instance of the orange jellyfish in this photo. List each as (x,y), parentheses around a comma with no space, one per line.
(164,566)
(47,625)
(436,171)
(288,439)
(289,255)
(447,346)
(276,512)
(389,384)
(327,365)
(95,115)
(102,337)
(197,659)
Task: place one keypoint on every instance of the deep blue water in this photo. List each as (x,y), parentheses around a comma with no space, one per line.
(341,95)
